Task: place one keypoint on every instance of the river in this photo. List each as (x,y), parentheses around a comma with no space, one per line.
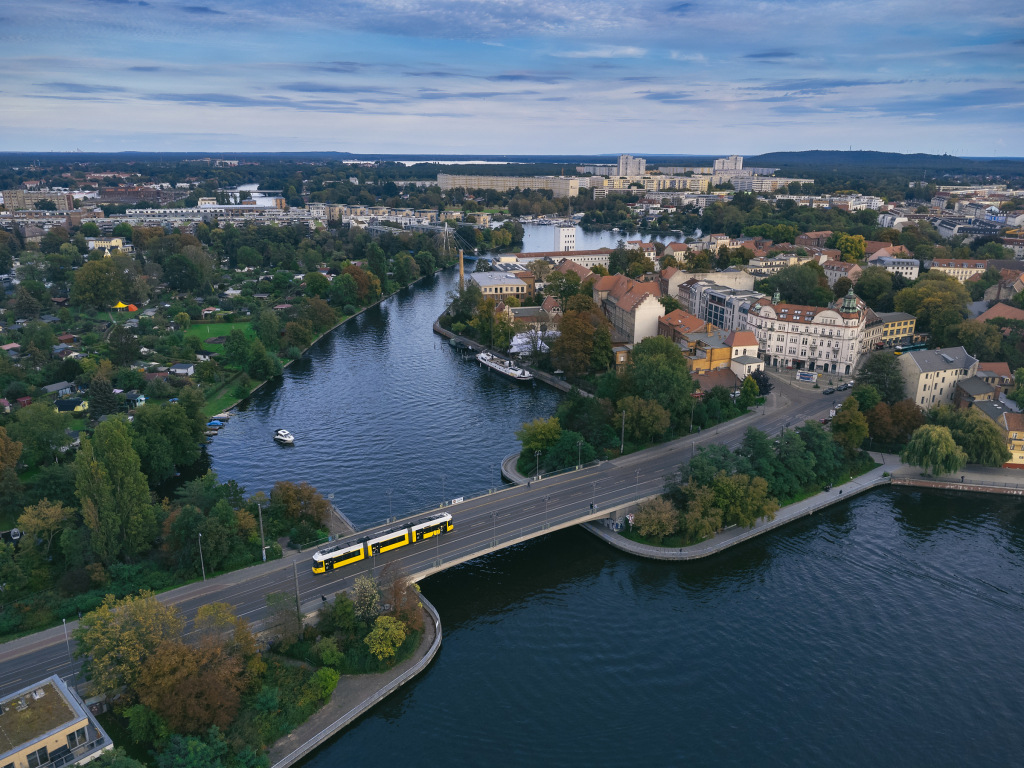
(883,631)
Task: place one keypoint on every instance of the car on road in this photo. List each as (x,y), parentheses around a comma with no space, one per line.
(829,391)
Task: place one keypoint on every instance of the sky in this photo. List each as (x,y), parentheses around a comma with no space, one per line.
(513,76)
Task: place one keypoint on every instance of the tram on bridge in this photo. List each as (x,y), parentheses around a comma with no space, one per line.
(338,555)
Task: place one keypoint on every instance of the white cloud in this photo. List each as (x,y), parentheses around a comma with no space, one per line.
(605,52)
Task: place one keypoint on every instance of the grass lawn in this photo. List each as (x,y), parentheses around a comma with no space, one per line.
(219,399)
(213,330)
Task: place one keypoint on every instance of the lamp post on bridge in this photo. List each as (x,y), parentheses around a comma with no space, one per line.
(536,455)
(593,497)
(579,453)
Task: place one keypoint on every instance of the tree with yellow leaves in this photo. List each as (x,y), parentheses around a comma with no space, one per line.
(45,520)
(387,635)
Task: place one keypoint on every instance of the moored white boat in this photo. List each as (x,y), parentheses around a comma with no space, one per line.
(284,437)
(504,367)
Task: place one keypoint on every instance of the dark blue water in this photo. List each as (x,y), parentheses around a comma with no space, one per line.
(382,402)
(885,631)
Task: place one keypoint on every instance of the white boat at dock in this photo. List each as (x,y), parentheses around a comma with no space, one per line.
(505,367)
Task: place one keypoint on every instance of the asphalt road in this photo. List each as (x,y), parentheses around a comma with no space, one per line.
(505,515)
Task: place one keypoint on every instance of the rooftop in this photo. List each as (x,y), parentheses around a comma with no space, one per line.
(894,317)
(1001,310)
(494,278)
(931,360)
(974,387)
(995,369)
(33,712)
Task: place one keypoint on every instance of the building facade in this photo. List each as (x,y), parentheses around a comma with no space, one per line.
(562,186)
(959,269)
(909,268)
(632,307)
(931,375)
(565,238)
(835,270)
(809,338)
(501,284)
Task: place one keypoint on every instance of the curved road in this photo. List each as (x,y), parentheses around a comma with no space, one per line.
(481,525)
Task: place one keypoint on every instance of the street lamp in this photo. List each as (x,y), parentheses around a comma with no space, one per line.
(263,541)
(537,456)
(201,564)
(579,453)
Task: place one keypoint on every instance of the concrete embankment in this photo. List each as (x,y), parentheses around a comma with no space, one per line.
(356,695)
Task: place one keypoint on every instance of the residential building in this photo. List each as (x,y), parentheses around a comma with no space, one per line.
(1011,426)
(931,375)
(20,199)
(887,249)
(813,338)
(817,239)
(600,257)
(678,323)
(632,307)
(872,338)
(47,724)
(71,405)
(834,270)
(730,163)
(721,306)
(707,349)
(678,251)
(743,349)
(59,389)
(1010,283)
(565,237)
(562,186)
(500,284)
(960,269)
(1001,310)
(897,327)
(968,392)
(647,249)
(909,268)
(627,165)
(764,183)
(997,375)
(182,369)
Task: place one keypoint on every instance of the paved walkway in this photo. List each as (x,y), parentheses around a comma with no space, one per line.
(732,536)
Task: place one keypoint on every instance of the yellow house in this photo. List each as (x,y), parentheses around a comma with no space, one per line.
(47,724)
(707,350)
(896,326)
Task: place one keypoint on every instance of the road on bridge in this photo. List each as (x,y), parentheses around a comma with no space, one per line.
(505,516)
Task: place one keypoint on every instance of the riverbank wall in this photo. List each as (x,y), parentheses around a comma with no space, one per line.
(543,376)
(341,710)
(1007,489)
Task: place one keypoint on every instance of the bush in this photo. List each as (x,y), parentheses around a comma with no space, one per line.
(294,353)
(323,683)
(349,309)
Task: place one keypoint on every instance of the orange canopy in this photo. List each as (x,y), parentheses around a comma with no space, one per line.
(132,308)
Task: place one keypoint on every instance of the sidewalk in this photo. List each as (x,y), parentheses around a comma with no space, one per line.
(732,536)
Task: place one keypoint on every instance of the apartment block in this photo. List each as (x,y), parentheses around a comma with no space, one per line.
(931,374)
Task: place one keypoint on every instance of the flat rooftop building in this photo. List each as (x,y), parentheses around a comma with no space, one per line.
(47,724)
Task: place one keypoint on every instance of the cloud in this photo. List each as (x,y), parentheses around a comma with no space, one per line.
(219,99)
(667,97)
(770,55)
(82,88)
(818,86)
(334,66)
(144,69)
(605,52)
(525,77)
(325,88)
(680,56)
(1002,104)
(680,9)
(202,9)
(433,95)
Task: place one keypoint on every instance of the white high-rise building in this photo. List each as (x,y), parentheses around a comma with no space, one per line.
(632,166)
(730,163)
(565,237)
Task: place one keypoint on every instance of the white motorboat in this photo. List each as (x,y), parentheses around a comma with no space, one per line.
(284,437)
(505,367)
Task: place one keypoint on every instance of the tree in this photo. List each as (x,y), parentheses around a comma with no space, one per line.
(764,382)
(316,284)
(882,371)
(656,519)
(267,328)
(852,246)
(645,419)
(97,285)
(165,439)
(102,400)
(285,617)
(659,372)
(298,334)
(192,400)
(366,602)
(981,340)
(932,448)
(262,365)
(124,347)
(41,431)
(236,347)
(10,451)
(183,321)
(880,426)
(118,638)
(377,262)
(116,758)
(850,427)
(405,268)
(906,418)
(743,500)
(45,520)
(829,457)
(974,432)
(566,453)
(867,396)
(386,637)
(26,305)
(538,435)
(575,345)
(842,287)
(748,393)
(299,502)
(319,314)
(344,290)
(701,516)
(193,752)
(936,300)
(114,493)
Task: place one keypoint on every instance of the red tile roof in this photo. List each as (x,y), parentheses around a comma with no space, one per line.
(741,339)
(683,321)
(1001,310)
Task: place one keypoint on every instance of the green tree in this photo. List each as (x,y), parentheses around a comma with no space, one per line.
(26,305)
(377,262)
(236,348)
(566,452)
(124,347)
(41,432)
(97,284)
(317,284)
(829,457)
(267,328)
(743,500)
(842,287)
(974,432)
(386,637)
(344,290)
(405,268)
(748,393)
(882,371)
(936,300)
(852,246)
(366,602)
(645,419)
(538,435)
(165,439)
(656,519)
(10,450)
(659,372)
(262,365)
(573,349)
(932,448)
(981,340)
(867,396)
(117,638)
(850,427)
(183,321)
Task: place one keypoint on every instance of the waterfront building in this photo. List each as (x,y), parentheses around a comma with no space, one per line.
(47,724)
(931,375)
(632,307)
(600,257)
(500,284)
(826,339)
(565,237)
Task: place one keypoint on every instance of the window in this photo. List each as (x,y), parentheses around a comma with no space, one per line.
(77,738)
(37,758)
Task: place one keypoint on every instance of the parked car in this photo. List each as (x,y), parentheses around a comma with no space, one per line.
(829,391)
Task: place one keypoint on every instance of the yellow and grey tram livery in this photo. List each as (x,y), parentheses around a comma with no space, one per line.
(338,555)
